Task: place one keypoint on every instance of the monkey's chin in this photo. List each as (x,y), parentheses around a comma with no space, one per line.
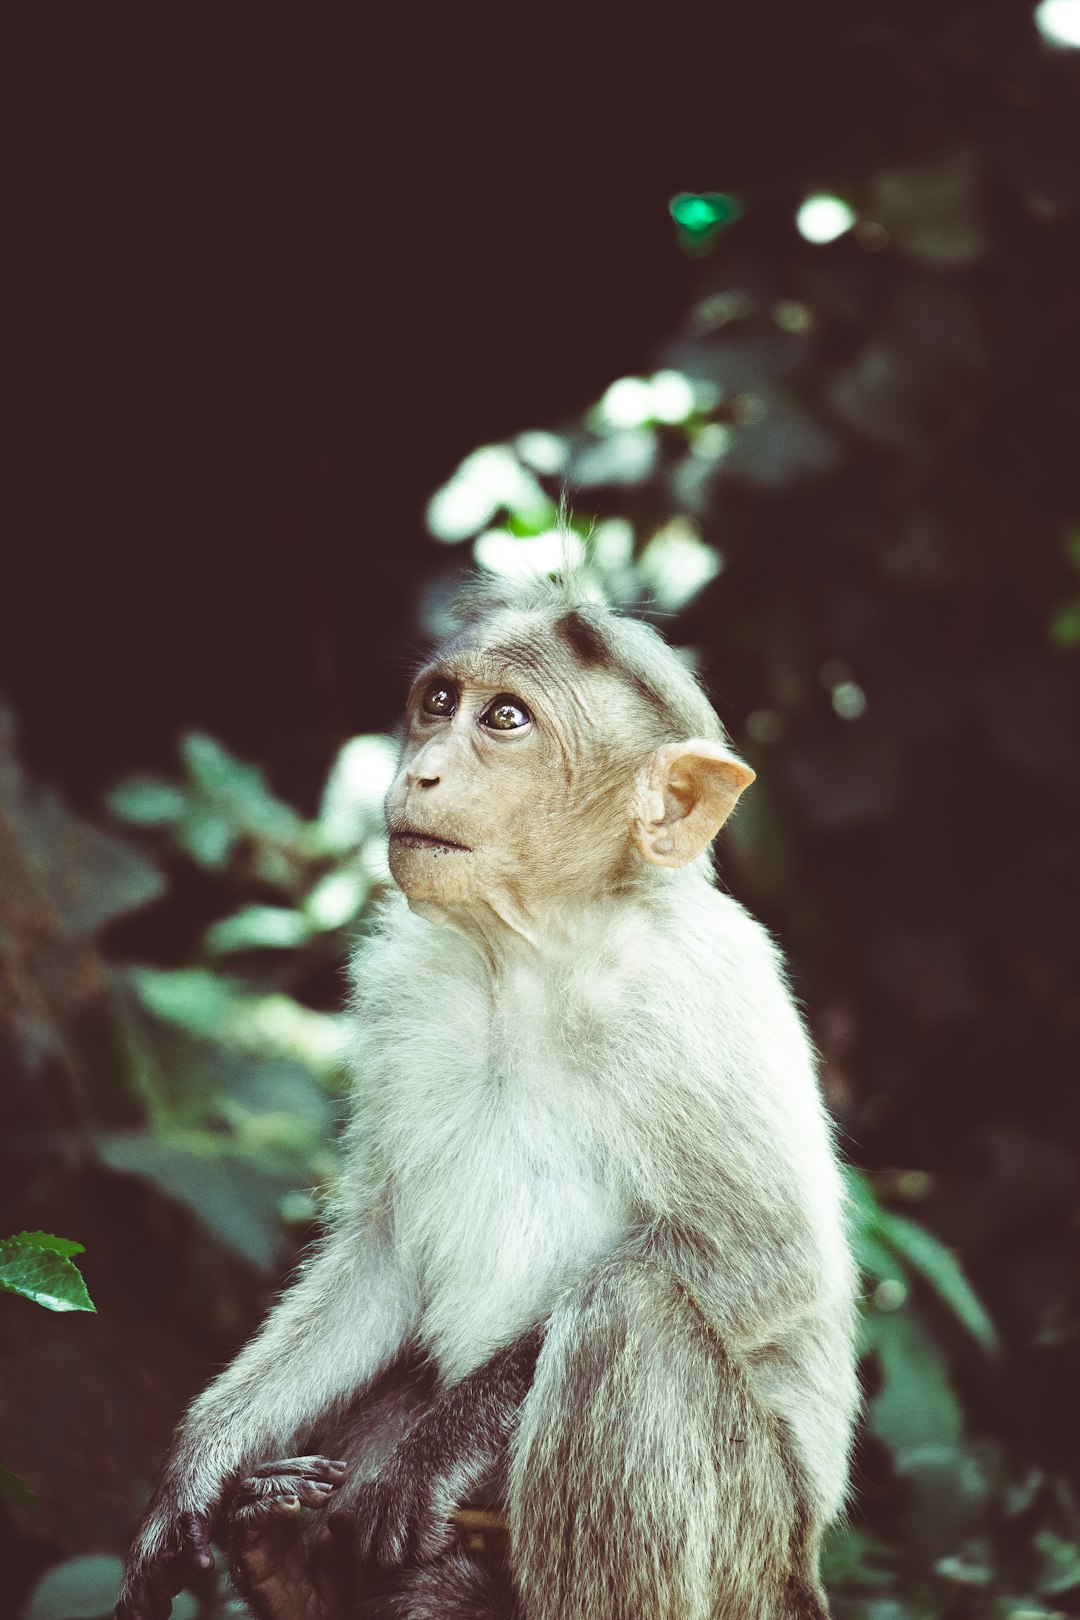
(429,871)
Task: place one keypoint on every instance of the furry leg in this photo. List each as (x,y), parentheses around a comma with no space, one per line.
(647,1482)
(455,1587)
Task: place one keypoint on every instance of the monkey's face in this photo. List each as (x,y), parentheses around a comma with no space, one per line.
(502,802)
(531,783)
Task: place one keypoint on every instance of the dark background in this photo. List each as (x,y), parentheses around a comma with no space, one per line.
(274,276)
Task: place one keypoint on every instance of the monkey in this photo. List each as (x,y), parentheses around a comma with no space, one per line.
(586,1252)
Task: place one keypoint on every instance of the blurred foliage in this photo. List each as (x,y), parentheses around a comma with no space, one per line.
(852,477)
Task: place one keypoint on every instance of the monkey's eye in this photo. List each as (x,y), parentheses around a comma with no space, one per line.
(505,713)
(440,698)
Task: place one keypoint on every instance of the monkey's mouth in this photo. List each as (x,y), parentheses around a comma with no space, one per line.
(420,840)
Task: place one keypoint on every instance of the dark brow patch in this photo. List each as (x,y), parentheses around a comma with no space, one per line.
(584,640)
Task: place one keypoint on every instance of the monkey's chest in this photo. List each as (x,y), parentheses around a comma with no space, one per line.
(493,1216)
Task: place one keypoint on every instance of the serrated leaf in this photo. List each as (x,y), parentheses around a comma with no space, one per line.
(46,1240)
(13,1485)
(40,1274)
(933,1261)
(147,801)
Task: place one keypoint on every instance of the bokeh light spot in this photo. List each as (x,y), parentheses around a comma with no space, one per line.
(701,213)
(890,1294)
(512,557)
(627,403)
(849,700)
(672,397)
(677,563)
(1058,21)
(546,452)
(700,216)
(764,726)
(822,218)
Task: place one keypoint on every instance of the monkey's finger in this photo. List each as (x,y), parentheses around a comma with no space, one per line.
(323,1468)
(195,1539)
(134,1605)
(249,1515)
(150,1596)
(312,1492)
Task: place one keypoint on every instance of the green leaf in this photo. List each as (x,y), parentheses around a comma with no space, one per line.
(46,1240)
(80,876)
(851,1557)
(875,1258)
(258,928)
(233,1192)
(14,1486)
(239,790)
(207,836)
(207,1005)
(933,1261)
(41,1274)
(147,801)
(877,1235)
(352,803)
(198,1001)
(338,898)
(1061,1563)
(916,1412)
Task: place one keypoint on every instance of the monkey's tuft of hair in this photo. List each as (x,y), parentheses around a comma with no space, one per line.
(560,606)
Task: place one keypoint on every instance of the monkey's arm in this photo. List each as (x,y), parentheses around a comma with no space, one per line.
(341,1322)
(403,1516)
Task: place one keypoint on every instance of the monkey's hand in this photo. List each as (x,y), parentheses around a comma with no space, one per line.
(403,1516)
(170,1548)
(283,1574)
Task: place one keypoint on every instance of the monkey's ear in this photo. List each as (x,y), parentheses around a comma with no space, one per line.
(687,793)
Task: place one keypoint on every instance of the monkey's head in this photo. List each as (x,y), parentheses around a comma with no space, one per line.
(551,747)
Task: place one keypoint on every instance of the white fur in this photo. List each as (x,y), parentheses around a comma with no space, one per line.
(652,1066)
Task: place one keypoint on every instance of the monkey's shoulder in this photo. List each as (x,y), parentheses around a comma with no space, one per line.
(689,957)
